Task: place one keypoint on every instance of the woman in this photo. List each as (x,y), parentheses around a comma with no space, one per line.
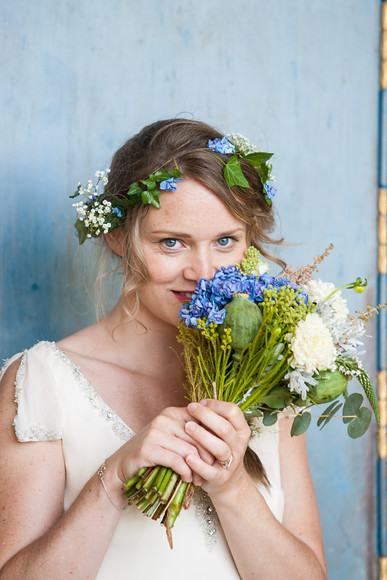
(101,404)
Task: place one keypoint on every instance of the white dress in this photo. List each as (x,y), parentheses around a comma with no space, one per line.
(55,401)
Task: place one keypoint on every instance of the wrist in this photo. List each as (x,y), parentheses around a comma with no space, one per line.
(112,491)
(231,493)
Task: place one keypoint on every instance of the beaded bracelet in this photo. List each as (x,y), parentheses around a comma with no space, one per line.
(100,474)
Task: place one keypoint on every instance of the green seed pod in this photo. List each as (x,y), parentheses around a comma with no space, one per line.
(330,385)
(244,318)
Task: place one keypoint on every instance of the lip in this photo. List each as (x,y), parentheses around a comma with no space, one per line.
(182,297)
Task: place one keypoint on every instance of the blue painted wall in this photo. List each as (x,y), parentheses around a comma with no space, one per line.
(299,78)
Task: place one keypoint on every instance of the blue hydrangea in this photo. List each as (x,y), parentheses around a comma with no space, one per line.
(212,295)
(270,191)
(221,145)
(169,184)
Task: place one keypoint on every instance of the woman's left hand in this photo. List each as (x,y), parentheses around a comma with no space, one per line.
(223,431)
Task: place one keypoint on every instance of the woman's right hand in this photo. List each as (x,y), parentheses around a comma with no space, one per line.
(163,441)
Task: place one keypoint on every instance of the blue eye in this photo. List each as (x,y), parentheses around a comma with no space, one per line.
(170,242)
(223,241)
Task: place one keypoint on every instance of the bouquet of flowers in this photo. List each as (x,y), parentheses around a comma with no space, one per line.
(270,345)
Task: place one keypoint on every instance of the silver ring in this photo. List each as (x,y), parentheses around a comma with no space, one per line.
(226,464)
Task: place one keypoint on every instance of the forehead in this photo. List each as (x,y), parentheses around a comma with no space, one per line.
(192,205)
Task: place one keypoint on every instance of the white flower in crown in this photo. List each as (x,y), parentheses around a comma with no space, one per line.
(241,143)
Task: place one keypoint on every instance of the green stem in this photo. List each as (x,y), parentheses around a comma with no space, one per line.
(151,478)
(164,483)
(176,504)
(170,487)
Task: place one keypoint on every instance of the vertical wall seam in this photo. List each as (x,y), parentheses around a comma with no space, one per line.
(382,298)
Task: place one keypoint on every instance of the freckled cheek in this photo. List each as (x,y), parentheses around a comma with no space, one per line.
(164,273)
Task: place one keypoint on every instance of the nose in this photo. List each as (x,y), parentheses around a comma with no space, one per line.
(200,264)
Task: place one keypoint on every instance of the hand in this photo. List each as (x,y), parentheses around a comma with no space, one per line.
(164,441)
(221,429)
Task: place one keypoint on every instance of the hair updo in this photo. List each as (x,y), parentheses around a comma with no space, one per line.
(184,141)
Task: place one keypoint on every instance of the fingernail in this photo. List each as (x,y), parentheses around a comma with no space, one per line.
(190,426)
(190,459)
(203,402)
(192,407)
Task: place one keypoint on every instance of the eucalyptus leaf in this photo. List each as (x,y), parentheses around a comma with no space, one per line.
(351,406)
(359,425)
(269,418)
(325,420)
(273,402)
(330,410)
(278,398)
(233,173)
(301,424)
(151,198)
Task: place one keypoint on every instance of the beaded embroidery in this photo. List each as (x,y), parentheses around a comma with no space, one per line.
(207,517)
(119,427)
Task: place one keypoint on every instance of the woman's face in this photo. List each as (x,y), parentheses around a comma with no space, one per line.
(190,237)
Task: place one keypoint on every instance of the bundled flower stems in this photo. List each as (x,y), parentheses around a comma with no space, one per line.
(270,345)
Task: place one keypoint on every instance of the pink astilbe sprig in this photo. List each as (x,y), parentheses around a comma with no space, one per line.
(302,274)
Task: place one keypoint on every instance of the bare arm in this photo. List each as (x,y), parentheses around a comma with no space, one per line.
(260,545)
(38,540)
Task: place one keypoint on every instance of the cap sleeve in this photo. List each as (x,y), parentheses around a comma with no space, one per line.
(38,416)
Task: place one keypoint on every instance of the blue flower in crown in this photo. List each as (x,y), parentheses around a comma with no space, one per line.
(270,191)
(117,211)
(169,184)
(221,145)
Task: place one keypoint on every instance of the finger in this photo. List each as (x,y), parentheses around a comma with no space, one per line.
(220,426)
(202,469)
(216,446)
(176,463)
(180,416)
(229,411)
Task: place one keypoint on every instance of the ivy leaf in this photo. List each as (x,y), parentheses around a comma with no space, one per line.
(352,406)
(301,423)
(160,175)
(82,231)
(76,193)
(115,222)
(258,158)
(359,425)
(233,173)
(176,173)
(151,197)
(134,189)
(150,183)
(269,418)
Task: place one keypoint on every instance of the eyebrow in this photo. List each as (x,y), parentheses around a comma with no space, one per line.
(188,236)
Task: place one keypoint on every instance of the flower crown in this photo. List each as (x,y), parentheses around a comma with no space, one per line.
(100,213)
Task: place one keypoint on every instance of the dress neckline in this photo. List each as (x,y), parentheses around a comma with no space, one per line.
(119,426)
